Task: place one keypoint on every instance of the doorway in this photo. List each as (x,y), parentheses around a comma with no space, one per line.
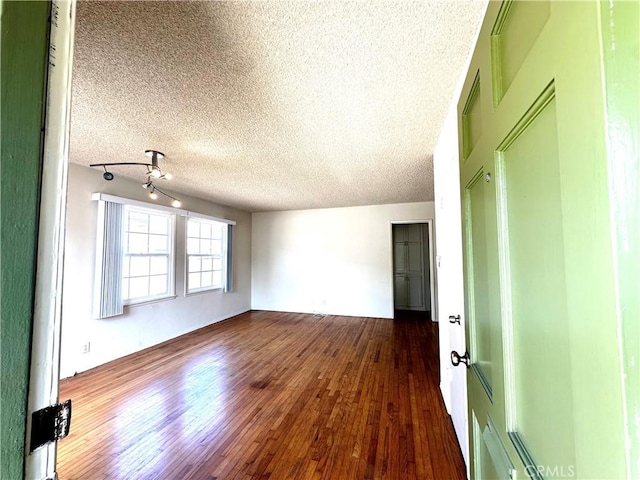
(412,267)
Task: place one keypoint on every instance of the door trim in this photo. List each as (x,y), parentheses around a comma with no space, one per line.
(432,274)
(47,315)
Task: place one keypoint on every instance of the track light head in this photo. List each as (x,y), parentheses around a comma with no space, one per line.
(108,176)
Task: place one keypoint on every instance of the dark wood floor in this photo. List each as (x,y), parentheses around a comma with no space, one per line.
(268,396)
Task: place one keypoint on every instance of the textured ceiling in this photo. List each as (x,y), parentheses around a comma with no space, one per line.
(271,105)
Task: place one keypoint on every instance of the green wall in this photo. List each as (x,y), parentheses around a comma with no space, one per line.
(24,32)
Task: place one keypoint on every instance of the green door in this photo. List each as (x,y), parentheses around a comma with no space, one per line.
(546,397)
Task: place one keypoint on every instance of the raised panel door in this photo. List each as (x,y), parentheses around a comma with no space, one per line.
(545,390)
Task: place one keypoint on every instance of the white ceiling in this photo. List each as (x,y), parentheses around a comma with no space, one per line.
(271,105)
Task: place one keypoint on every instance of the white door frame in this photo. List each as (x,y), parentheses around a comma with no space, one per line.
(432,274)
(47,315)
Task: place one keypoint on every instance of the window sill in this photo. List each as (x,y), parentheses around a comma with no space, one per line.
(200,292)
(150,301)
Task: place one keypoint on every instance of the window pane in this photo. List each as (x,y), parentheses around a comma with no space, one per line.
(137,243)
(205,230)
(216,231)
(194,281)
(159,224)
(206,279)
(159,265)
(158,244)
(125,267)
(194,264)
(217,279)
(205,246)
(217,247)
(138,222)
(193,245)
(139,266)
(217,264)
(138,287)
(158,285)
(207,263)
(193,228)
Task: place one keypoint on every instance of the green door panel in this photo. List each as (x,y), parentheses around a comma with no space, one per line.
(515,32)
(478,282)
(540,284)
(541,373)
(483,463)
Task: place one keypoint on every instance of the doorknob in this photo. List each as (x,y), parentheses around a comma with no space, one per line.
(454,319)
(457,359)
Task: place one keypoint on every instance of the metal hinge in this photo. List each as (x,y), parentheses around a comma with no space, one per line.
(50,424)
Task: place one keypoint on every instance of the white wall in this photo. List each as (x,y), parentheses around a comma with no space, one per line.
(334,261)
(144,325)
(453,380)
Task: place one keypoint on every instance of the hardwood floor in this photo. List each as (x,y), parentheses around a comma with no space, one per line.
(267,395)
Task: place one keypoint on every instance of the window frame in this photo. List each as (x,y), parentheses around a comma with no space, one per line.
(223,254)
(228,275)
(171,267)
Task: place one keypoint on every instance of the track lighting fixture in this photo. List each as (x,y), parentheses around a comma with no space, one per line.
(108,176)
(154,172)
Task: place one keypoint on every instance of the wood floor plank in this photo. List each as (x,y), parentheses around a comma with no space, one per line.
(268,395)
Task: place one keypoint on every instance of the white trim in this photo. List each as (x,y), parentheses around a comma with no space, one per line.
(408,222)
(136,203)
(432,270)
(209,217)
(47,314)
(177,211)
(203,290)
(149,300)
(432,276)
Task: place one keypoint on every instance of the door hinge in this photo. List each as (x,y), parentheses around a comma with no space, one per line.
(50,424)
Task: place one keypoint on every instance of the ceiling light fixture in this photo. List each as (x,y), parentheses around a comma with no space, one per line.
(154,172)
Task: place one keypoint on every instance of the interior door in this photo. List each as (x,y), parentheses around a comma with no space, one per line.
(544,381)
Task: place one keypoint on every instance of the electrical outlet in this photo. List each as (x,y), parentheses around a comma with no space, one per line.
(86,347)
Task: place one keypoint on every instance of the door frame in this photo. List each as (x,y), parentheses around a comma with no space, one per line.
(47,312)
(432,255)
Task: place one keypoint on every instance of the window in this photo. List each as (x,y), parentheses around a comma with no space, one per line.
(135,253)
(147,265)
(206,254)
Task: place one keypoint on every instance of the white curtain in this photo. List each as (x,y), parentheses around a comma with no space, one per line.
(108,280)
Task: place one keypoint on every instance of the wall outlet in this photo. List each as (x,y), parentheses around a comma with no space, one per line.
(86,347)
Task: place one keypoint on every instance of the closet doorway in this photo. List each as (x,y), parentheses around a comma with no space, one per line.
(412,277)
